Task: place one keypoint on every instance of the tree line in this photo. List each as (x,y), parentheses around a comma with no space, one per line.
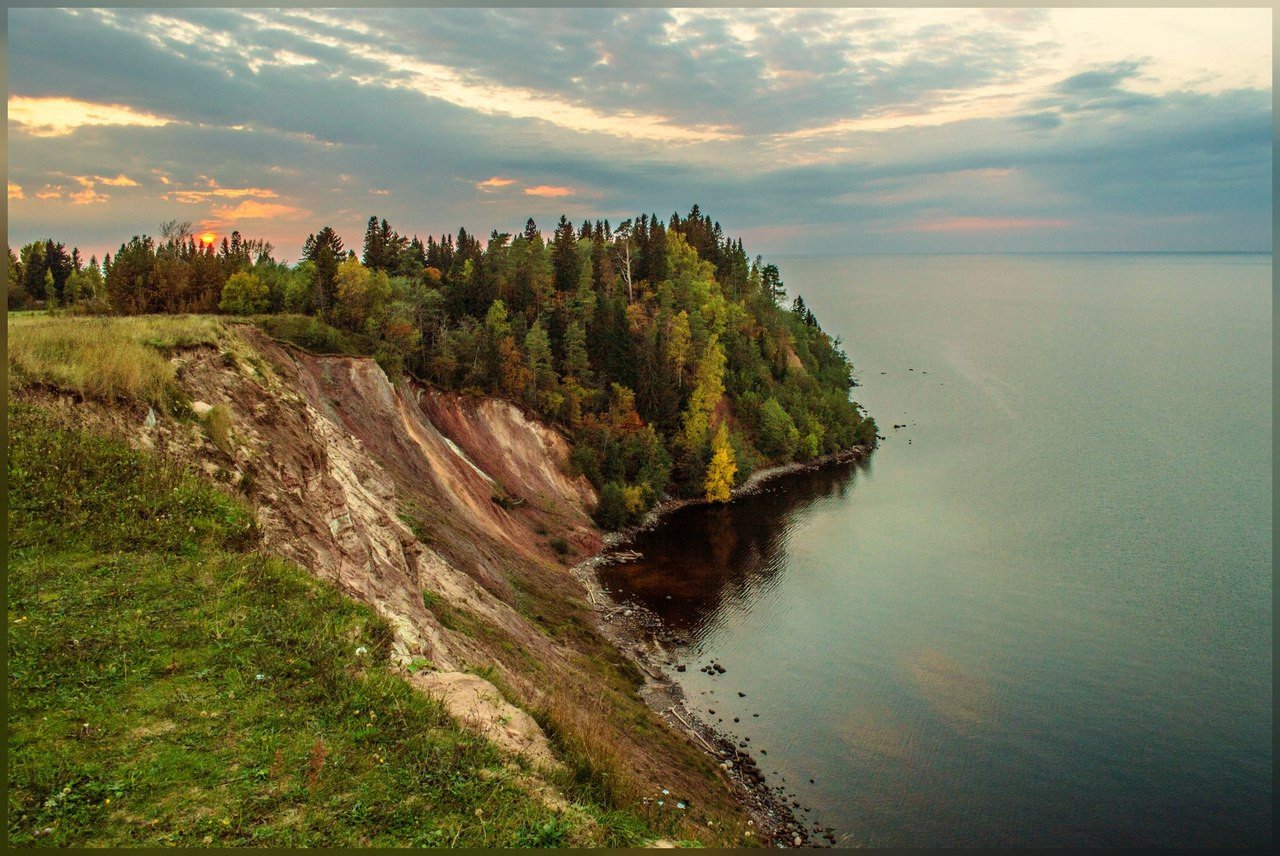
(671,359)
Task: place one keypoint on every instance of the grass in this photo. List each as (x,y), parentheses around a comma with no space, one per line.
(107,358)
(314,335)
(170,686)
(218,421)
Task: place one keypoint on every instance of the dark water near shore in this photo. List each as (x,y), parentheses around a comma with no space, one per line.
(1046,619)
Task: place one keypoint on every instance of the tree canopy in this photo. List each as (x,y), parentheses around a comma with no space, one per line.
(672,360)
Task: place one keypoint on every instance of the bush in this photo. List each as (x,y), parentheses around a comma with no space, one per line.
(244,294)
(611,512)
(314,335)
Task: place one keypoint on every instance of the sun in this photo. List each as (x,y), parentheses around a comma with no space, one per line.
(207,239)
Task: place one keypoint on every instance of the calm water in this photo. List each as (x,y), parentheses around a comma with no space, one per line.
(1041,614)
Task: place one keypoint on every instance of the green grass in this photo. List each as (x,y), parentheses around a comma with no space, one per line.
(68,488)
(314,335)
(107,358)
(169,686)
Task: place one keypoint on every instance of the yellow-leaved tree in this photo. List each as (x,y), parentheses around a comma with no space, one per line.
(723,467)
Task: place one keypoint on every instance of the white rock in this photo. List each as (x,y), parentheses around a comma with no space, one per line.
(200,408)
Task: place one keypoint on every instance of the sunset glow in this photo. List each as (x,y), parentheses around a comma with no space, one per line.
(820,129)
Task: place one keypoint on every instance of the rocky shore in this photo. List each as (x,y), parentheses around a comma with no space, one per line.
(640,634)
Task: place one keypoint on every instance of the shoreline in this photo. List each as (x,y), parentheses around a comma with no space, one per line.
(752,485)
(636,633)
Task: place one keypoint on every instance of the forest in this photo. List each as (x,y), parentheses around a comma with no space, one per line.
(675,364)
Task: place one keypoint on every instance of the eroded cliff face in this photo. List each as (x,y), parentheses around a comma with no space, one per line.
(391,492)
(444,513)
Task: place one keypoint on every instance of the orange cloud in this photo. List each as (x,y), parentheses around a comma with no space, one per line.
(548,190)
(50,191)
(494,183)
(56,117)
(120,180)
(251,209)
(15,191)
(987,224)
(88,196)
(195,197)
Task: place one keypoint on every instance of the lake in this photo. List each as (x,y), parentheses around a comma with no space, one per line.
(1040,614)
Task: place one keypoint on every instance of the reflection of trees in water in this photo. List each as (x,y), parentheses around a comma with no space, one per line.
(708,557)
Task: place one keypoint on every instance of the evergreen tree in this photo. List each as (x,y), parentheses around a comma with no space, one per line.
(34,268)
(374,245)
(324,250)
(564,256)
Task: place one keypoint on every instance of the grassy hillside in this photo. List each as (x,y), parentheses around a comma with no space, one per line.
(105,357)
(169,685)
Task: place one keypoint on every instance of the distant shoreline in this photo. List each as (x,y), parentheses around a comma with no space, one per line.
(784,256)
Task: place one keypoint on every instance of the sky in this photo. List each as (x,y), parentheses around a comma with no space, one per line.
(812,130)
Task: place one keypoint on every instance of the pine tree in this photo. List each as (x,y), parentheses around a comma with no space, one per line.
(564,256)
(374,246)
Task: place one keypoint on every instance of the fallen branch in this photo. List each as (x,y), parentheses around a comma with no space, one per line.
(692,731)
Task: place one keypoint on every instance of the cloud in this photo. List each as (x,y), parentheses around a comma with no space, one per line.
(1103,79)
(251,209)
(87,196)
(54,117)
(15,191)
(377,191)
(831,128)
(120,180)
(196,197)
(90,181)
(548,190)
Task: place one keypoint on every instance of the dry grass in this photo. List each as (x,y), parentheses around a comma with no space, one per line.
(576,722)
(108,358)
(218,421)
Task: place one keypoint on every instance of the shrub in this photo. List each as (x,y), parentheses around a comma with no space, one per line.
(314,335)
(244,294)
(611,512)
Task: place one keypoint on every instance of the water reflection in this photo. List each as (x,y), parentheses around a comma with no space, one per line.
(703,560)
(956,692)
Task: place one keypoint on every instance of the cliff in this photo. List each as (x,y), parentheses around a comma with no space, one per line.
(454,519)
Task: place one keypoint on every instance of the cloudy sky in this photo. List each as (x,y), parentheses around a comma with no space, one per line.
(803,130)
